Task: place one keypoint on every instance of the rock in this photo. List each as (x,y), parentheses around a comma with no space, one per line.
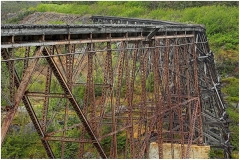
(89,155)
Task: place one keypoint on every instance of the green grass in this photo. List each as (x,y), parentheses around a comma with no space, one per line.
(56,22)
(231,88)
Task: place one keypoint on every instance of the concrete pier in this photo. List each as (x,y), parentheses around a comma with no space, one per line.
(197,152)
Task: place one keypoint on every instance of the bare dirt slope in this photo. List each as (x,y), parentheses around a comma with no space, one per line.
(54,18)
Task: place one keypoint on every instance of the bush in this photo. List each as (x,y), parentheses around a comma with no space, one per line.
(234,127)
(21,145)
(20,16)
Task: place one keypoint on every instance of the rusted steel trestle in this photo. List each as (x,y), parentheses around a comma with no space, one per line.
(113,89)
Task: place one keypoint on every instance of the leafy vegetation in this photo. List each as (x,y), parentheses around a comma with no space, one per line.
(231,88)
(21,141)
(215,154)
(234,139)
(20,145)
(234,128)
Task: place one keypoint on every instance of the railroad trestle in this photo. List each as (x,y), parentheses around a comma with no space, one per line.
(128,80)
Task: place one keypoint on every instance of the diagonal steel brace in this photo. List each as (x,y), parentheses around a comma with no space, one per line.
(151,34)
(73,101)
(21,85)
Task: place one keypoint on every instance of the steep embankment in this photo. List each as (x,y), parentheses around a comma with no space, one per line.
(54,18)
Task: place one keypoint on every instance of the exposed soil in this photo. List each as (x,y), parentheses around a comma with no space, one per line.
(54,18)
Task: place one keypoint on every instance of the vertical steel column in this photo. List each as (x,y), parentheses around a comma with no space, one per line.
(140,119)
(104,89)
(119,82)
(197,110)
(130,99)
(114,125)
(69,71)
(178,92)
(85,108)
(120,73)
(47,91)
(11,77)
(167,91)
(89,99)
(188,61)
(197,92)
(142,114)
(90,81)
(27,51)
(143,67)
(192,127)
(129,84)
(158,98)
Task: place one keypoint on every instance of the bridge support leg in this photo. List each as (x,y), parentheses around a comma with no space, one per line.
(74,103)
(26,102)
(19,94)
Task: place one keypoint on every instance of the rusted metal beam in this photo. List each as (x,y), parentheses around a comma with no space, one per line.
(109,69)
(43,94)
(158,99)
(83,41)
(67,139)
(69,71)
(46,93)
(197,93)
(190,138)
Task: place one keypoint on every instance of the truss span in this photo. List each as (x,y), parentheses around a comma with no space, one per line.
(124,81)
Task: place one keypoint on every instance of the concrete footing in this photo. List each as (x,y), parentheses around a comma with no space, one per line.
(197,152)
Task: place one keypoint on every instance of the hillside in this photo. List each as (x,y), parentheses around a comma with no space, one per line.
(221,20)
(13,10)
(54,18)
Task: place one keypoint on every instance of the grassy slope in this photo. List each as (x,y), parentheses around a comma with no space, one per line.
(221,21)
(14,7)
